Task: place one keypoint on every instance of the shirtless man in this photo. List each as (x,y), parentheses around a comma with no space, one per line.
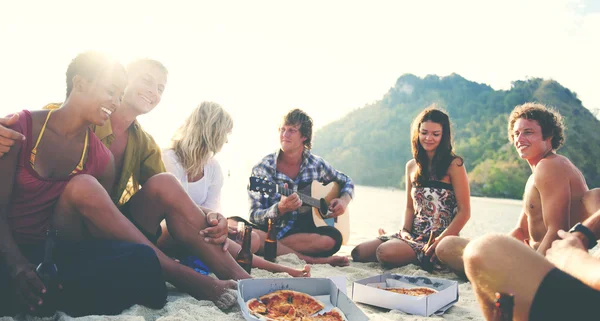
(554,193)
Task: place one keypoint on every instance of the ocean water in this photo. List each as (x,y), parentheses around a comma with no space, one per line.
(374,207)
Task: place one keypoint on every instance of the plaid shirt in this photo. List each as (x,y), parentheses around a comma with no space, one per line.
(312,168)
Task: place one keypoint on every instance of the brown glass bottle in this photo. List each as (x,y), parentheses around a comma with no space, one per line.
(48,273)
(271,243)
(244,257)
(505,304)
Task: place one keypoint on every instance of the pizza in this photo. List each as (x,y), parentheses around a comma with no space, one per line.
(412,291)
(288,305)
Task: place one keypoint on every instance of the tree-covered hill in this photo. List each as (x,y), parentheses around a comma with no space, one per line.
(372,144)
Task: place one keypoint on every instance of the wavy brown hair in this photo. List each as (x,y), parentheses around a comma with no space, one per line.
(444,153)
(549,120)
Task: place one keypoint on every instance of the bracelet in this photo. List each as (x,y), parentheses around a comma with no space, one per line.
(405,230)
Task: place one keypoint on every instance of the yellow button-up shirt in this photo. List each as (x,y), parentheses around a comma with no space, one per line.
(142,160)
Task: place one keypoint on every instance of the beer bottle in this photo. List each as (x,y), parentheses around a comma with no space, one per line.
(271,243)
(504,307)
(244,257)
(48,273)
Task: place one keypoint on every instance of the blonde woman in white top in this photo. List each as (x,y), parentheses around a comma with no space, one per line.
(190,159)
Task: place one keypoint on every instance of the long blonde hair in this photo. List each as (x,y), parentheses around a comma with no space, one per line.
(201,136)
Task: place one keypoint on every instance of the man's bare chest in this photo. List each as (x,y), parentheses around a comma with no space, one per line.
(290,171)
(117,148)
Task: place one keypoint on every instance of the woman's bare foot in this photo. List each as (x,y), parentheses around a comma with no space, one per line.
(225,294)
(381,232)
(304,273)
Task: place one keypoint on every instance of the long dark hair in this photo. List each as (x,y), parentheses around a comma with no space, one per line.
(444,153)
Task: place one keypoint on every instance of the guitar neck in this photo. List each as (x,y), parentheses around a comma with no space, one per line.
(311,201)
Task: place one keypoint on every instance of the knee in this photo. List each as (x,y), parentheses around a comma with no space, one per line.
(356,254)
(255,242)
(82,188)
(384,254)
(164,186)
(480,252)
(328,242)
(450,246)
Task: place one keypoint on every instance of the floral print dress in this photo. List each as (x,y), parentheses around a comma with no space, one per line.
(435,208)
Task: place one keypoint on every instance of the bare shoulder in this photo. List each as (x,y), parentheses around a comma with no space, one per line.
(411,164)
(553,166)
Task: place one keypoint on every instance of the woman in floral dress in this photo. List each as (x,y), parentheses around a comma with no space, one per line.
(437,198)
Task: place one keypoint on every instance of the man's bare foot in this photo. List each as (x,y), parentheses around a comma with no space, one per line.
(304,273)
(381,232)
(337,260)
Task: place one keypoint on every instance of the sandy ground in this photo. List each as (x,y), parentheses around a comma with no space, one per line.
(488,215)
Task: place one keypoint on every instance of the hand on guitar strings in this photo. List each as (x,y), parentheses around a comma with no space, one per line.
(337,207)
(289,203)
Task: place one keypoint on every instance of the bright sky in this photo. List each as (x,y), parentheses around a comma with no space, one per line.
(258,59)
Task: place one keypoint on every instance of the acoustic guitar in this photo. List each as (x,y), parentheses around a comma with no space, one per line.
(315,198)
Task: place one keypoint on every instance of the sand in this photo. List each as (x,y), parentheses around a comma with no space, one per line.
(488,215)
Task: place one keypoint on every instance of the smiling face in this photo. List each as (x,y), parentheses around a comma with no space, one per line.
(145,89)
(99,98)
(528,139)
(430,135)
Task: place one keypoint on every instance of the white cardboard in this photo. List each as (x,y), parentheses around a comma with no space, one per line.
(254,288)
(367,291)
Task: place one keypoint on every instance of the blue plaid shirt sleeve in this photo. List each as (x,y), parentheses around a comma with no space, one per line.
(262,208)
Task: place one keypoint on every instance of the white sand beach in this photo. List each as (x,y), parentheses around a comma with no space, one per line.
(488,215)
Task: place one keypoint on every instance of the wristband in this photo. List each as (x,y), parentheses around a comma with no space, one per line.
(589,235)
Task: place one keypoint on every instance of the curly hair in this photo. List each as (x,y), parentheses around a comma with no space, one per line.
(201,136)
(444,154)
(548,118)
(299,117)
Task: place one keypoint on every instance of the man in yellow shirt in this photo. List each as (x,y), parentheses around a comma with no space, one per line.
(154,201)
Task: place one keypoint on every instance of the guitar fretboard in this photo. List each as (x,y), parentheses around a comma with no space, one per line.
(311,201)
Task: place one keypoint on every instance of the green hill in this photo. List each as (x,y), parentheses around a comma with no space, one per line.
(372,144)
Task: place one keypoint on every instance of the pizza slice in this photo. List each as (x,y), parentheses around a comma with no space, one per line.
(419,291)
(334,315)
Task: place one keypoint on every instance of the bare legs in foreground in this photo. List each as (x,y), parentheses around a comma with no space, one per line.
(499,263)
(86,210)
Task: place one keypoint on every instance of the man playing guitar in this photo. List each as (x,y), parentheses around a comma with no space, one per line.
(294,165)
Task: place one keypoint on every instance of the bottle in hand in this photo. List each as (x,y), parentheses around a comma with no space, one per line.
(244,257)
(48,273)
(271,243)
(504,307)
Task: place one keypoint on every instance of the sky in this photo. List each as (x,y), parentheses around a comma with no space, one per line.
(259,59)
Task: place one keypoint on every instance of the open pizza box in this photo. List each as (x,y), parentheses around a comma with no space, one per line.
(322,289)
(370,291)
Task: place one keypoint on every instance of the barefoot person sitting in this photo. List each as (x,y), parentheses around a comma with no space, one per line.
(291,166)
(437,192)
(147,196)
(191,160)
(561,286)
(46,184)
(554,193)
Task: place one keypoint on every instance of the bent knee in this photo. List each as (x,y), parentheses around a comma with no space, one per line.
(385,254)
(483,249)
(450,246)
(327,242)
(81,187)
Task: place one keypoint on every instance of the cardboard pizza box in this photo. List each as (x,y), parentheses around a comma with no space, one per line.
(321,288)
(370,291)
